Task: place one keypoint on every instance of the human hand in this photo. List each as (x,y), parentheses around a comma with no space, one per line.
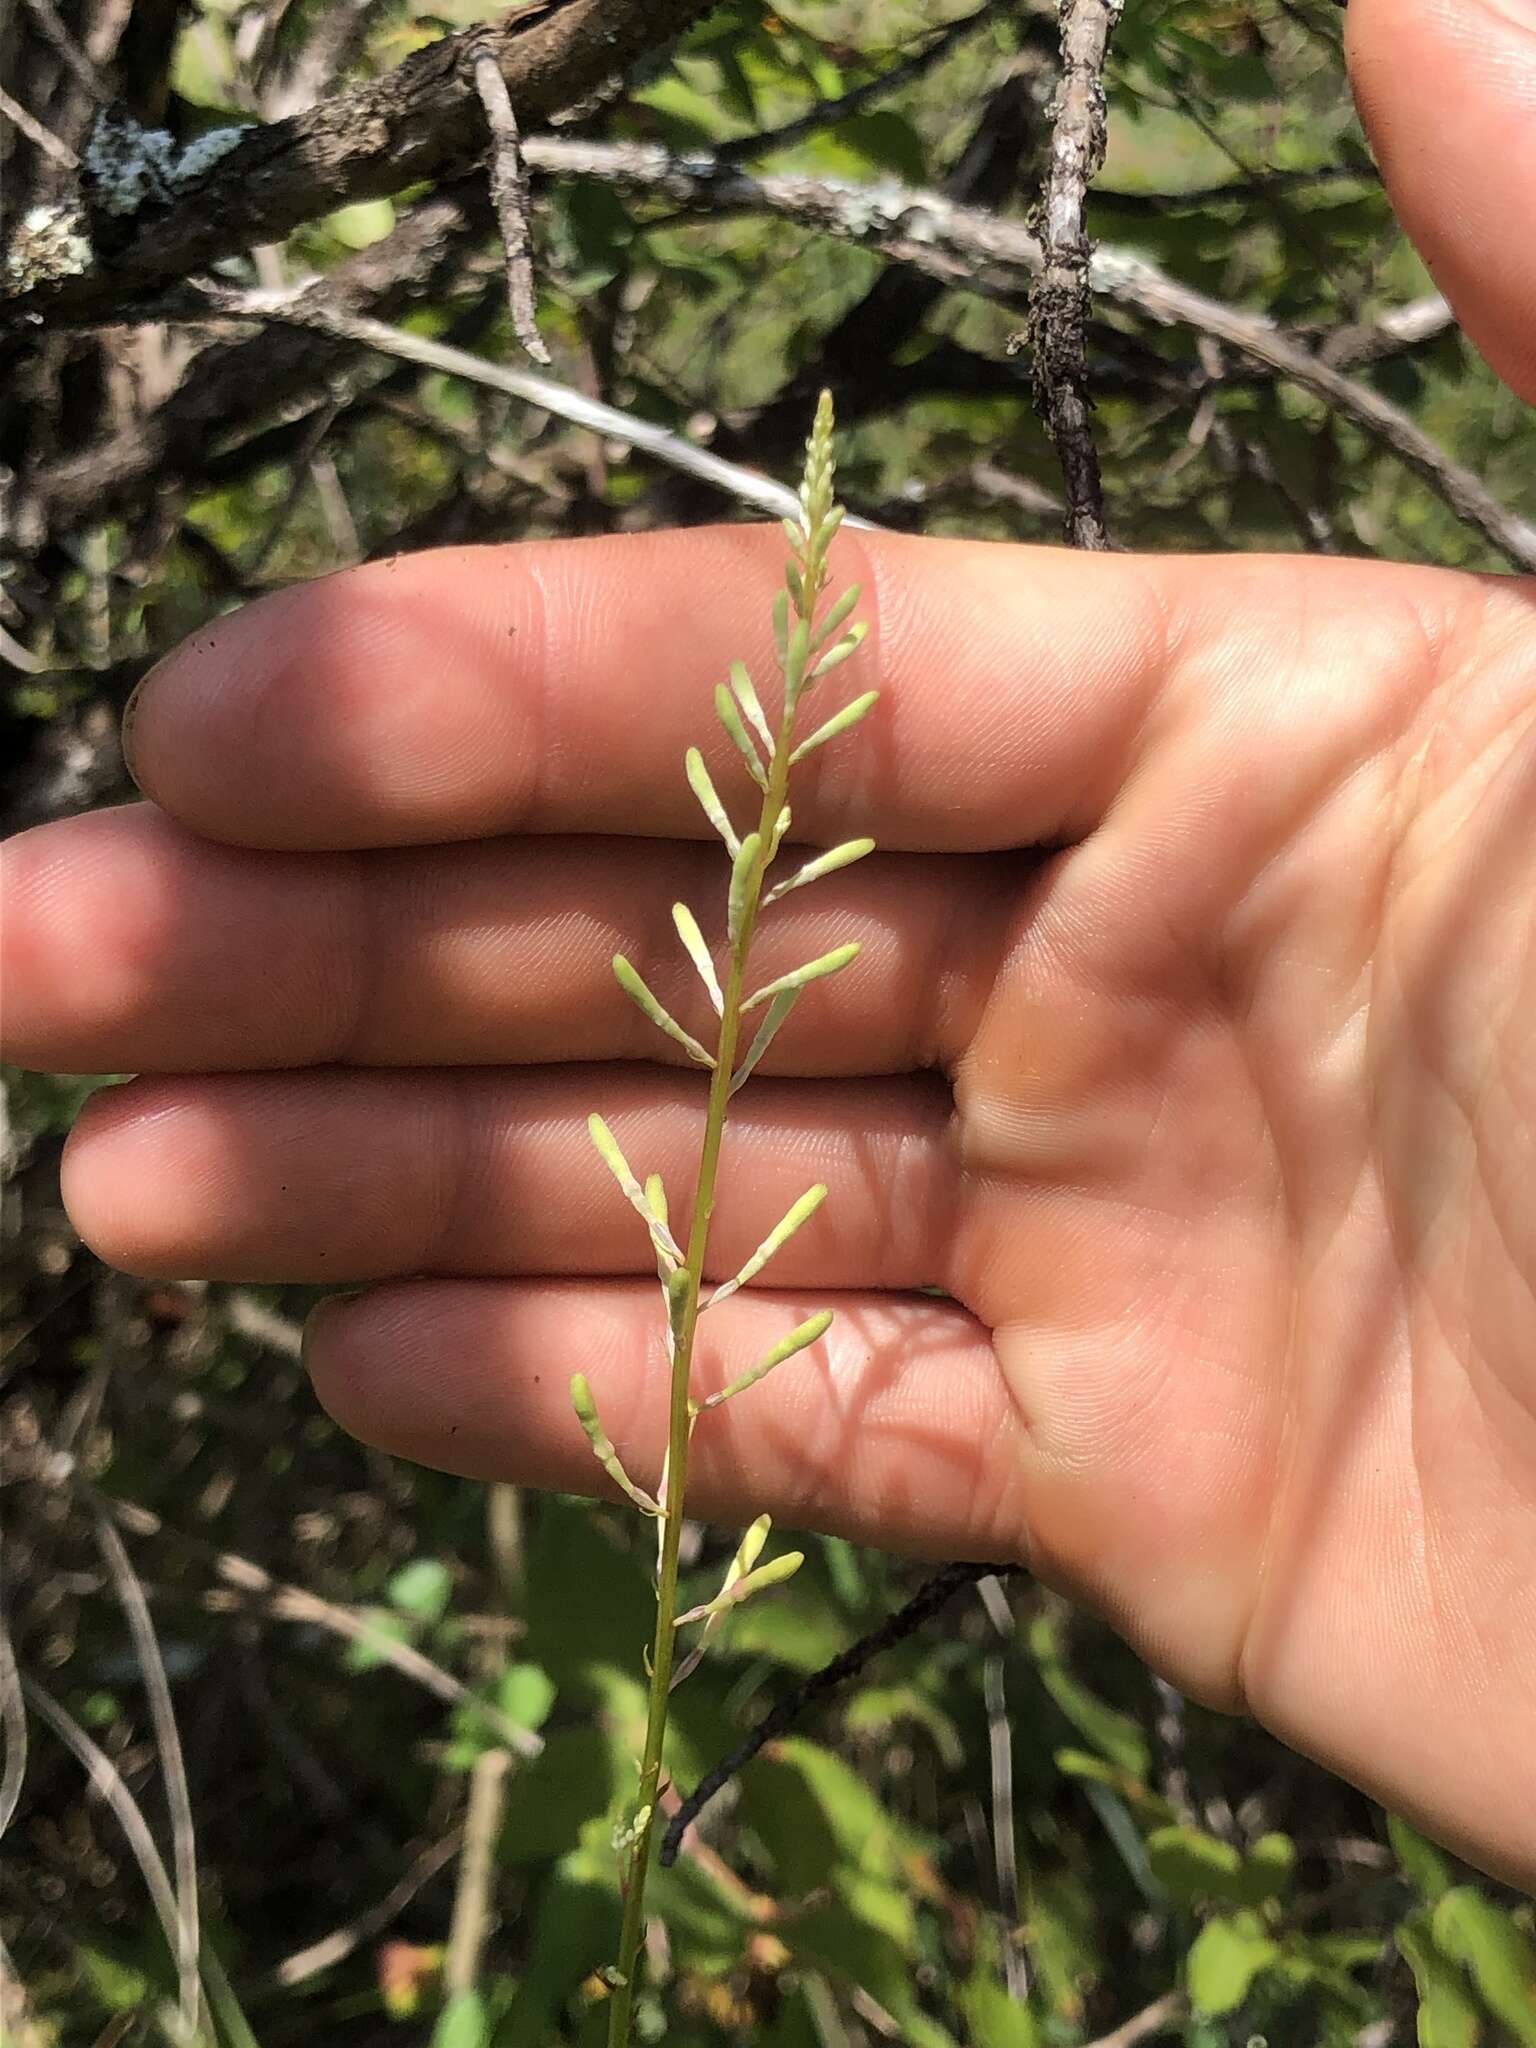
(1217,1120)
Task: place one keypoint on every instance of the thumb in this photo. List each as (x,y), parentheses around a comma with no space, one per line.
(1447,92)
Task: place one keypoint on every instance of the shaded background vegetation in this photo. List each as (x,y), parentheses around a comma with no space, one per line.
(1005,1834)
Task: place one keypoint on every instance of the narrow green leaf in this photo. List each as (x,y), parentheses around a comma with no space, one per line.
(773,1573)
(1420,1861)
(688,931)
(839,722)
(709,802)
(1498,1956)
(850,643)
(805,1334)
(781,624)
(608,1147)
(767,1031)
(824,864)
(748,1550)
(746,696)
(795,657)
(779,1236)
(602,1448)
(742,870)
(663,1019)
(797,977)
(834,616)
(1448,2015)
(795,586)
(730,718)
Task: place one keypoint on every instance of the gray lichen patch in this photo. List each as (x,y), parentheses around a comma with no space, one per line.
(126,164)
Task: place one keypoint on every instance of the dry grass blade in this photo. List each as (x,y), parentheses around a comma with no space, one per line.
(162,1714)
(13,1720)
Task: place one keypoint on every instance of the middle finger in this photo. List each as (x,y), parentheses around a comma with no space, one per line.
(148,950)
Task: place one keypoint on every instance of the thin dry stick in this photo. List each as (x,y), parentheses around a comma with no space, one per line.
(341,1942)
(509,196)
(13,1719)
(108,1781)
(924,1603)
(1161,2016)
(162,1714)
(300,308)
(1058,299)
(45,139)
(471,1921)
(287,1602)
(1004,1848)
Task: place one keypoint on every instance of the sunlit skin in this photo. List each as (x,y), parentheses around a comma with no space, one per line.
(1191,1048)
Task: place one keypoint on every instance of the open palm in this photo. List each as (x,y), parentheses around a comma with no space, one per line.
(1191,1051)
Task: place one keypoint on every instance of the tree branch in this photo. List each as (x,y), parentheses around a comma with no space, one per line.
(420,121)
(1058,296)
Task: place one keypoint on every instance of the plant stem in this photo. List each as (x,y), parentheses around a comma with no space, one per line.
(680,1428)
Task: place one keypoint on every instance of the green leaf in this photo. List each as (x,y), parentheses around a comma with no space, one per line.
(1113,1734)
(813,970)
(824,864)
(421,1589)
(742,870)
(767,1031)
(773,1573)
(585,1405)
(778,1237)
(746,696)
(607,1146)
(1499,1958)
(577,1777)
(799,1338)
(730,718)
(709,802)
(693,942)
(1448,2017)
(1225,1957)
(839,722)
(363,223)
(640,995)
(463,2023)
(1421,1862)
(1191,1866)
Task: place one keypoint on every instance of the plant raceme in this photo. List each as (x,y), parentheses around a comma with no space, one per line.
(811,640)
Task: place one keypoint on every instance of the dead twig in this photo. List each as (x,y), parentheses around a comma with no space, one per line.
(471,1920)
(343,1941)
(1058,298)
(924,1603)
(294,1603)
(509,195)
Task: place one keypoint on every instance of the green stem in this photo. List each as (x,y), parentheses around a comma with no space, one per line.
(680,1427)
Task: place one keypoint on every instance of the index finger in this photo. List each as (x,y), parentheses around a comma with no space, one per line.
(553,686)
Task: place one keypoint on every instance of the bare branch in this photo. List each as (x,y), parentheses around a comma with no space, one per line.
(301,307)
(35,132)
(1058,298)
(336,1946)
(509,195)
(416,123)
(477,1871)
